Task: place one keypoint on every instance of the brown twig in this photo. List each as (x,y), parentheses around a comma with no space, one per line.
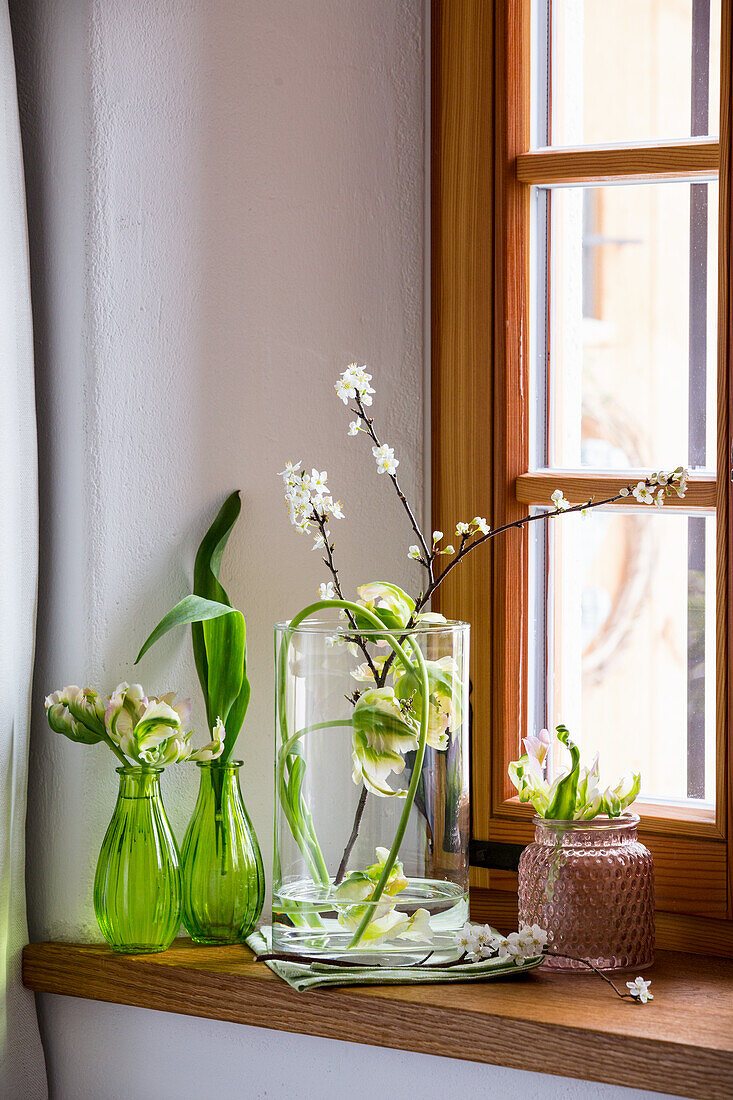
(329,562)
(369,428)
(586,962)
(352,839)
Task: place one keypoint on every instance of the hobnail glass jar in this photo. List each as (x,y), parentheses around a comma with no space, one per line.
(590,885)
(137,885)
(223,878)
(354,789)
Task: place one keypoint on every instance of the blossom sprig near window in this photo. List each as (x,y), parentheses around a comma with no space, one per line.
(140,730)
(309,501)
(478,942)
(639,990)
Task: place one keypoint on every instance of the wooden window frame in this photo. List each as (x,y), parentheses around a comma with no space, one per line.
(482,169)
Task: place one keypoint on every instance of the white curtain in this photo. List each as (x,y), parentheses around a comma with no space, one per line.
(22,1070)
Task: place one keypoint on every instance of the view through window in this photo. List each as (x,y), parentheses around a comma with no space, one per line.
(623,334)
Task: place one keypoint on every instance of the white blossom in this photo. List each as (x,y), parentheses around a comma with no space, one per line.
(354,427)
(559,500)
(467,938)
(363,673)
(332,507)
(437,536)
(527,943)
(318,486)
(308,500)
(290,473)
(333,640)
(639,990)
(481,525)
(326,591)
(319,541)
(463,528)
(448,550)
(623,492)
(386,461)
(643,493)
(498,947)
(354,380)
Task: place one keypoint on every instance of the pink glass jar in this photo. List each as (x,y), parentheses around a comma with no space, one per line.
(590,885)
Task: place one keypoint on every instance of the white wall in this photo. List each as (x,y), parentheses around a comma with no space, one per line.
(227,205)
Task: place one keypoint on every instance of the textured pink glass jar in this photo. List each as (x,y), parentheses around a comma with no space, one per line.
(590,885)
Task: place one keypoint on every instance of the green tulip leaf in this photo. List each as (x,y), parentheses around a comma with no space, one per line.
(191,609)
(218,631)
(562,806)
(206,584)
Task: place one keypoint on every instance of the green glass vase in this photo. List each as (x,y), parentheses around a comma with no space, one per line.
(223,876)
(137,885)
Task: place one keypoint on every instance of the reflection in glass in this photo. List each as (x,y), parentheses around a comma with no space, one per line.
(627,659)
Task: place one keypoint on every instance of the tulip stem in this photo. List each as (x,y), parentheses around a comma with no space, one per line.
(118,753)
(302,826)
(409,799)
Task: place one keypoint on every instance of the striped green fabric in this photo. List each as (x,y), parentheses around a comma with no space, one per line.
(304,976)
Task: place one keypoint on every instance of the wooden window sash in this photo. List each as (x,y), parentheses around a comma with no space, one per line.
(697,158)
(537,486)
(691,853)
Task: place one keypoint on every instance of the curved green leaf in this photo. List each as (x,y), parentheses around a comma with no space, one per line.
(224,639)
(562,807)
(220,648)
(206,583)
(191,609)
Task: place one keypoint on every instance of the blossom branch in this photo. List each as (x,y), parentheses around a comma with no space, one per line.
(321,521)
(648,491)
(427,560)
(639,984)
(354,834)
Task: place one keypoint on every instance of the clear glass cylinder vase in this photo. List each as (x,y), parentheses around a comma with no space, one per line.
(223,877)
(371,783)
(590,885)
(137,885)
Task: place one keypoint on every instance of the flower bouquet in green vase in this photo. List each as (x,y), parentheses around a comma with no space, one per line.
(137,885)
(223,876)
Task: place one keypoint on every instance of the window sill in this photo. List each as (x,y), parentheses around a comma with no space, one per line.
(570,1025)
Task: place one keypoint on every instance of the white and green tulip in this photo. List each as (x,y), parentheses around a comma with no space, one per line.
(446,702)
(575,794)
(383,730)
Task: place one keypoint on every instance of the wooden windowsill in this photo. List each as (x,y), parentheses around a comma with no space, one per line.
(571,1025)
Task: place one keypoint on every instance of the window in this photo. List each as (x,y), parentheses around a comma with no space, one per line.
(577,143)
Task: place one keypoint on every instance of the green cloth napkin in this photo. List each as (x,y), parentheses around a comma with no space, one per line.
(303,976)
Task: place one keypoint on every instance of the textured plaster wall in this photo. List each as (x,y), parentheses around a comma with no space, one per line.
(226,203)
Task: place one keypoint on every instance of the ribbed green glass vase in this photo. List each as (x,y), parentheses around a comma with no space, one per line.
(223,877)
(137,886)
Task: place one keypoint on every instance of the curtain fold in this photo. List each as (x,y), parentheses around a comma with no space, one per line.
(22,1069)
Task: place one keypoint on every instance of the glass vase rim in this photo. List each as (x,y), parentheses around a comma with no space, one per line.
(339,626)
(140,769)
(218,763)
(600,823)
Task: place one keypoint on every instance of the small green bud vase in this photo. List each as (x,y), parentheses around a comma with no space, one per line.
(137,885)
(223,876)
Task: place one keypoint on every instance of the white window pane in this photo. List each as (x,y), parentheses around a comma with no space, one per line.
(631,325)
(627,71)
(625,652)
